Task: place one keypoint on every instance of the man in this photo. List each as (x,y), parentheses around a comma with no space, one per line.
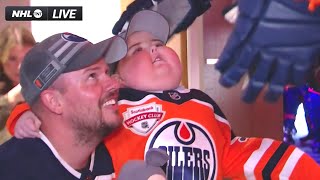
(65,81)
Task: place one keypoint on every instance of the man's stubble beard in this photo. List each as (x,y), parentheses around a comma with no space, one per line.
(89,131)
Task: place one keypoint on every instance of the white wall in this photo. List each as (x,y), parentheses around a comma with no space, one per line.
(99,16)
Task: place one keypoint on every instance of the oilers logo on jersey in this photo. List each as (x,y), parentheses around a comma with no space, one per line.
(181,139)
(141,119)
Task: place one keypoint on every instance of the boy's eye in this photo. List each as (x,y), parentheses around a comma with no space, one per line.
(159,44)
(138,49)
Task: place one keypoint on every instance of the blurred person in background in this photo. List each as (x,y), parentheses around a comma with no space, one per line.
(309,96)
(15,42)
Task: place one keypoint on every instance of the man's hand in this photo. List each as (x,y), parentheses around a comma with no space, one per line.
(27,126)
(275,41)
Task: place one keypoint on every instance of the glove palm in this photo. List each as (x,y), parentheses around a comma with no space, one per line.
(276,41)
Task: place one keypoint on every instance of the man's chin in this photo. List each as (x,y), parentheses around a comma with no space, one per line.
(107,130)
(109,126)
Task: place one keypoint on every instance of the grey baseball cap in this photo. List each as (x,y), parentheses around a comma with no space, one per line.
(149,21)
(61,53)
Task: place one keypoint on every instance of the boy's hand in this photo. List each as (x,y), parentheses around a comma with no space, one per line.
(15,96)
(27,126)
(276,41)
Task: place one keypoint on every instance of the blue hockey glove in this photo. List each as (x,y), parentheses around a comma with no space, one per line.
(179,13)
(132,9)
(275,41)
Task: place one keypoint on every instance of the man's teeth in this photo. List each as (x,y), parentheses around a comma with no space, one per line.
(110,102)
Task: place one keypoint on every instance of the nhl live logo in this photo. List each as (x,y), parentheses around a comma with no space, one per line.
(29,13)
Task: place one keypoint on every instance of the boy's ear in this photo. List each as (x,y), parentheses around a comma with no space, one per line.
(51,99)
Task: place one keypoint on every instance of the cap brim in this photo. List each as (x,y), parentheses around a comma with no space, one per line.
(116,51)
(149,21)
(112,50)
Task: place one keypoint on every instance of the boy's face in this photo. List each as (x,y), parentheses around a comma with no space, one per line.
(149,64)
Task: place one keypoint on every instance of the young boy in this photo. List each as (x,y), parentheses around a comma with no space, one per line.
(187,123)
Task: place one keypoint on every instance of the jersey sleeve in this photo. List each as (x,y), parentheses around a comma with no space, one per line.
(263,158)
(14,116)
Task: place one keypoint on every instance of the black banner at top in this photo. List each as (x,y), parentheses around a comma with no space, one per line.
(43,13)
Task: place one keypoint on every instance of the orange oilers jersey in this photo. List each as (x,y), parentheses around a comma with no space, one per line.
(192,129)
(194,132)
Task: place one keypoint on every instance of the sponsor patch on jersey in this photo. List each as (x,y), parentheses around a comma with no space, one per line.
(191,149)
(141,119)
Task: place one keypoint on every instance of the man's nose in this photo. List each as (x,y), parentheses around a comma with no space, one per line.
(111,83)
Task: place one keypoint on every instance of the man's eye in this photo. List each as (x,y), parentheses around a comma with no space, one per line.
(92,75)
(109,72)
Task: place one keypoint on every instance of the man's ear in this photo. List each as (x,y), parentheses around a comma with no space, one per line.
(52,100)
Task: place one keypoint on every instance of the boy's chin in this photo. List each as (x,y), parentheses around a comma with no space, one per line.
(163,87)
(160,84)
